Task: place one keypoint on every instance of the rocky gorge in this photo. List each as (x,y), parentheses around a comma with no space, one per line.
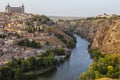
(104,34)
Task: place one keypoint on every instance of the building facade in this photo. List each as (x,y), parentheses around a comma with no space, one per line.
(10,9)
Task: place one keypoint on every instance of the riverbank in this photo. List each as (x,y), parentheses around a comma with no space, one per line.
(71,68)
(38,72)
(26,69)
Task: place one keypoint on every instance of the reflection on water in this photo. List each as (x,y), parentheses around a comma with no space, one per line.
(74,66)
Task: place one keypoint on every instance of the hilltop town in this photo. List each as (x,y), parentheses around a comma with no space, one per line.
(32,44)
(23,35)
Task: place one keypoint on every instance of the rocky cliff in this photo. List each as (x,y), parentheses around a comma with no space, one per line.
(103,34)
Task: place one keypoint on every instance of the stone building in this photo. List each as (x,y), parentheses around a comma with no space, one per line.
(2,21)
(10,9)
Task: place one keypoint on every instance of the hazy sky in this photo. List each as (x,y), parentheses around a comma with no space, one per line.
(79,8)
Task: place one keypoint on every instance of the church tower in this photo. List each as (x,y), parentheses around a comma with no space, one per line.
(7,8)
(23,8)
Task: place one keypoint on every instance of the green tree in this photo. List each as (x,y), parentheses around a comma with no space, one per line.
(17,74)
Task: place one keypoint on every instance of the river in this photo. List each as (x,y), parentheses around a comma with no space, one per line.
(72,68)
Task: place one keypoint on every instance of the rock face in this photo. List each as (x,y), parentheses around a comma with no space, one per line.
(104,34)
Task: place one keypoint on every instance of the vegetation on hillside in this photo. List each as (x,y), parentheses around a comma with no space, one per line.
(24,69)
(43,19)
(68,39)
(2,36)
(36,22)
(27,43)
(70,32)
(103,66)
(69,43)
(59,52)
(31,29)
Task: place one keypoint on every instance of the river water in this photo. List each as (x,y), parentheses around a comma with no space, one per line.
(74,66)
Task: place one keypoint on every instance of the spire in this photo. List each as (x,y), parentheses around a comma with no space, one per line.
(22,5)
(8,5)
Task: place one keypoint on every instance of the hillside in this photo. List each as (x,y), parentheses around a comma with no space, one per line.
(65,38)
(104,34)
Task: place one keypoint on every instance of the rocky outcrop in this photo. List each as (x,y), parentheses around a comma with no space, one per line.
(103,34)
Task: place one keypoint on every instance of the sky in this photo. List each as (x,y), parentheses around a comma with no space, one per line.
(75,8)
